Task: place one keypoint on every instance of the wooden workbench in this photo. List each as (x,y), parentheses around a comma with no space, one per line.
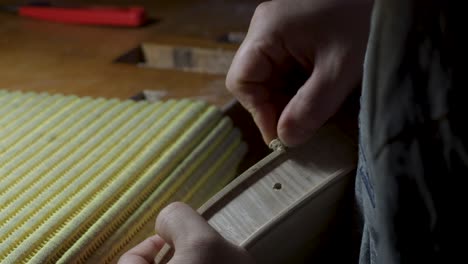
(81,60)
(73,59)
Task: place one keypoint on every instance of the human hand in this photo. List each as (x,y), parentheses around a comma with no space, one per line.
(323,40)
(193,239)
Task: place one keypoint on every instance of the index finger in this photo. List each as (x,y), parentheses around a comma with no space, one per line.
(247,80)
(257,70)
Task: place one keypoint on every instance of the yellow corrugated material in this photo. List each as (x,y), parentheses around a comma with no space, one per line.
(80,178)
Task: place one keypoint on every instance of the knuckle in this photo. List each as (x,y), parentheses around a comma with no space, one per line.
(168,214)
(263,10)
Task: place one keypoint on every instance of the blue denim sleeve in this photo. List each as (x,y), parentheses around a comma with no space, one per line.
(413,163)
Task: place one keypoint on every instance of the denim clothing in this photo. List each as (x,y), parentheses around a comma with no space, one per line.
(413,162)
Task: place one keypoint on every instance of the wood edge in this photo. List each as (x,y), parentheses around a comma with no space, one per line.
(190,42)
(228,193)
(313,193)
(164,255)
(227,107)
(242,119)
(240,183)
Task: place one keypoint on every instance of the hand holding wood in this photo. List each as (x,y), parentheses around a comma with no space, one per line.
(193,239)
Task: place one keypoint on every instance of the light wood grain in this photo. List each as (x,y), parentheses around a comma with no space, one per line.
(188,58)
(289,196)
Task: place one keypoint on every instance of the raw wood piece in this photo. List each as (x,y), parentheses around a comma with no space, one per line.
(187,58)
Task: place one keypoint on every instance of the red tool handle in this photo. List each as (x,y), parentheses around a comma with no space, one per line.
(129,17)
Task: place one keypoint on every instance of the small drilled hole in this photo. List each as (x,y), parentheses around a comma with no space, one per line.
(277,186)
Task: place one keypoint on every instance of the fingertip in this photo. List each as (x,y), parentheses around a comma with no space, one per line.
(143,253)
(265,119)
(292,135)
(268,139)
(309,109)
(157,241)
(293,130)
(267,134)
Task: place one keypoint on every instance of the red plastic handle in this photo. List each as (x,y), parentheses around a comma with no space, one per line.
(129,17)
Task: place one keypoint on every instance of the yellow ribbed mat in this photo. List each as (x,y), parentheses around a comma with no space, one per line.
(83,179)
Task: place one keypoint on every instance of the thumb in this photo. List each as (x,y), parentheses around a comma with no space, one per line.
(314,103)
(178,224)
(191,237)
(194,240)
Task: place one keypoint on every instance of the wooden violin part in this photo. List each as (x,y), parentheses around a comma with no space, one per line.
(290,196)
